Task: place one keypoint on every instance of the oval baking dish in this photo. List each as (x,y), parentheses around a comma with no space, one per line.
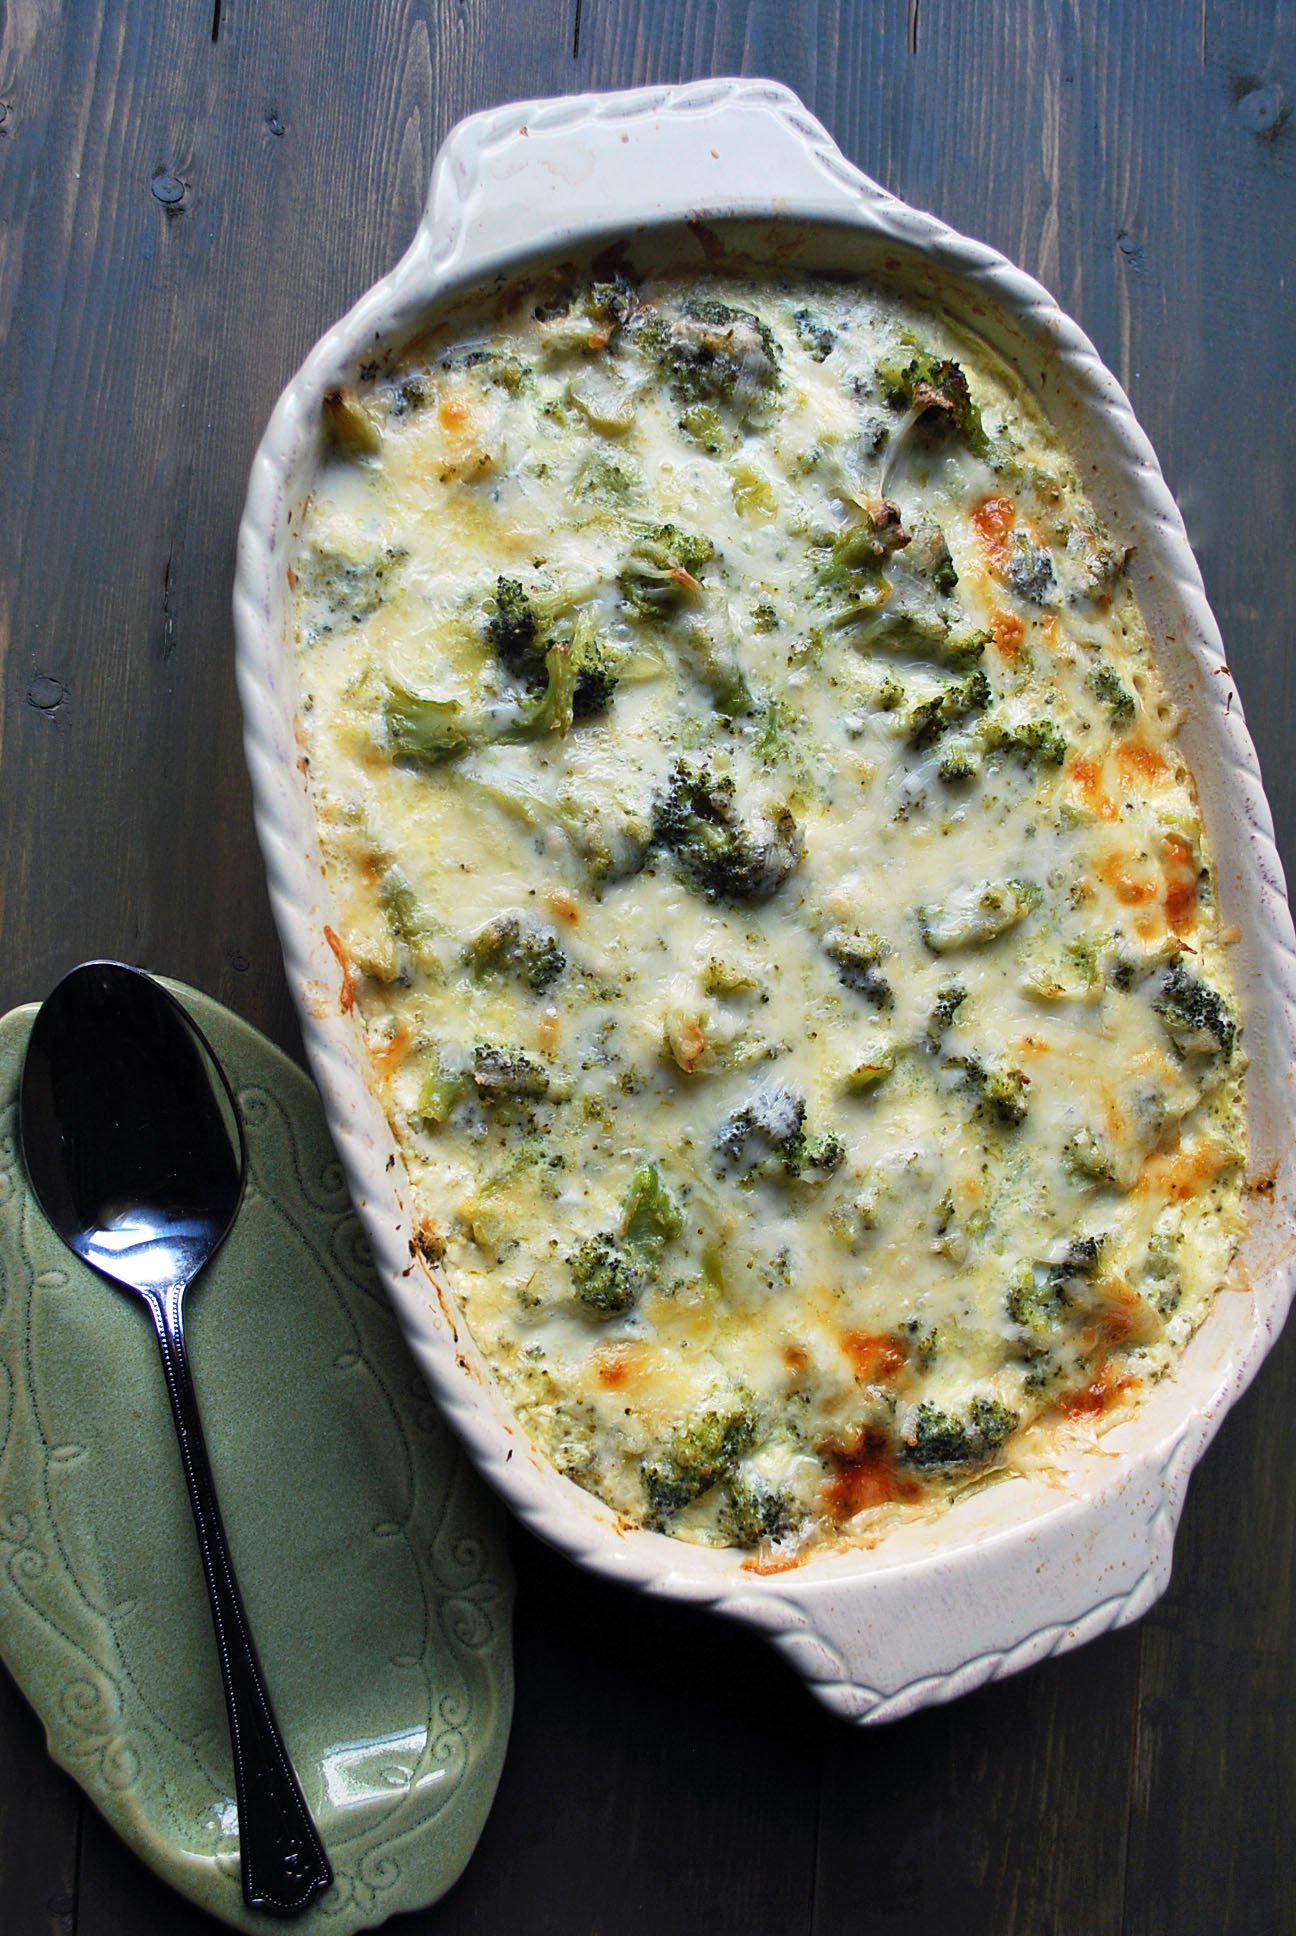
(737,169)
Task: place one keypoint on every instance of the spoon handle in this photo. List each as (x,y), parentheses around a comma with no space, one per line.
(284,1867)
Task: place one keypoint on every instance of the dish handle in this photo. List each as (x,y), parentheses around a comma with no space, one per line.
(542,168)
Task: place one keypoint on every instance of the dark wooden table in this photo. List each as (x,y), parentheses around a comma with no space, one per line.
(189,193)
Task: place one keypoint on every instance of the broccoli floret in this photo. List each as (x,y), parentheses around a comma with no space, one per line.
(348,426)
(1036,1301)
(873,534)
(946,1006)
(1003,1093)
(596,684)
(939,1438)
(961,649)
(929,555)
(504,371)
(719,672)
(512,625)
(754,1511)
(1098,562)
(509,946)
(909,622)
(866,1075)
(612,1270)
(427,732)
(596,670)
(1088,1160)
(1108,689)
(510,373)
(697,821)
(813,333)
(712,354)
(857,959)
(507,1075)
(696,1457)
(957,763)
(779,733)
(1030,572)
(409,917)
(586,319)
(958,701)
(765,618)
(553,710)
(612,299)
(774,1121)
(976,914)
(410,393)
(1036,742)
(523,627)
(1044,1293)
(661,569)
(1196,1017)
(604,479)
(1083,1256)
(352,588)
(767,1138)
(1000,1090)
(820,1156)
(441,1088)
(934,391)
(708,430)
(651,1217)
(606,1278)
(1163,1270)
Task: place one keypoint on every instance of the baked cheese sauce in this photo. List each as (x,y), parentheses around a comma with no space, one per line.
(777,909)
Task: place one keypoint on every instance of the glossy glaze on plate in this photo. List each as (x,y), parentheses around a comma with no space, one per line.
(738,168)
(371,1560)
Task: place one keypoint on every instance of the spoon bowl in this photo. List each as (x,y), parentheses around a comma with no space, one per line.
(134,1149)
(131,1137)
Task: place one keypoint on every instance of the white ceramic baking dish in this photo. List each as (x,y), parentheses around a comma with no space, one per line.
(1028,1567)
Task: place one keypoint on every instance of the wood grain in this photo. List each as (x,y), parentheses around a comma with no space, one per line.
(188,197)
(40,1811)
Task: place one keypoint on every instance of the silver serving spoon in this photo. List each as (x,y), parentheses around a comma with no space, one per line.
(134,1149)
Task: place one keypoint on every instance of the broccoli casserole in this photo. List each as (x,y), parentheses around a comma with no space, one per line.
(777,910)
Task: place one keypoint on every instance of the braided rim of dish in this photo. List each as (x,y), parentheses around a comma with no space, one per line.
(822,1613)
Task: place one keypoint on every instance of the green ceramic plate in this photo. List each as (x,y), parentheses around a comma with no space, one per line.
(371,1562)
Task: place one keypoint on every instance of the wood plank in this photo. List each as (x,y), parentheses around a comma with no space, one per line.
(682,40)
(1214,1798)
(39,1826)
(662,1775)
(1001,1815)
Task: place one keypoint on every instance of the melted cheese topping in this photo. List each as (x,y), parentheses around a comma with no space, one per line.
(777,908)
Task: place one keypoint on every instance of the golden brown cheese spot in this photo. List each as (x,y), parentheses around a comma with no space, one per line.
(875,1360)
(1179,863)
(1181,1175)
(1088,778)
(1138,763)
(992,521)
(1008,631)
(1091,1401)
(1132,881)
(866,1476)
